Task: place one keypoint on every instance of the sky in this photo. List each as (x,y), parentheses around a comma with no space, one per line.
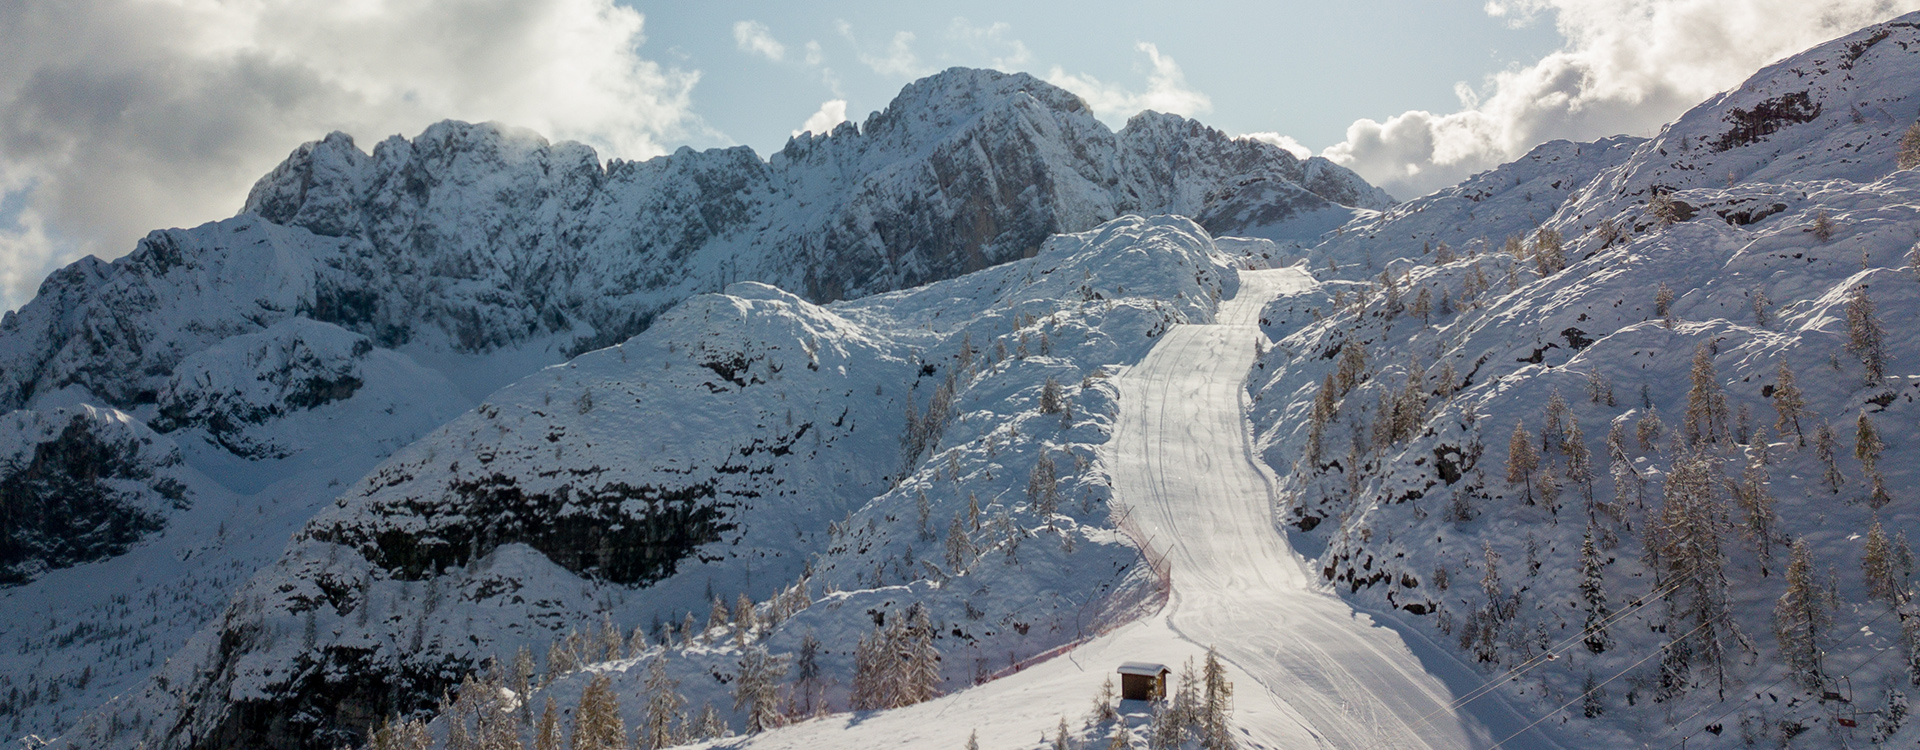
(122,116)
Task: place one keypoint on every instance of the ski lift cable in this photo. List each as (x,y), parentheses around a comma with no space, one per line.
(1521,669)
(1583,695)
(1722,715)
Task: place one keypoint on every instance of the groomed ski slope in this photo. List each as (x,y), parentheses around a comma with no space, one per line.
(1309,671)
(1182,460)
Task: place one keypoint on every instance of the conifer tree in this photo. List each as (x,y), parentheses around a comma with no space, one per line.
(1592,697)
(1553,434)
(1789,403)
(1549,252)
(1648,428)
(921,678)
(1352,368)
(612,643)
(744,619)
(1215,732)
(709,724)
(1103,710)
(1761,525)
(1823,445)
(1043,487)
(1801,619)
(1593,592)
(1052,400)
(1663,304)
(1823,226)
(1423,306)
(1761,316)
(959,545)
(1877,565)
(1865,338)
(546,732)
(1579,459)
(973,740)
(1521,459)
(806,669)
(1706,420)
(1060,736)
(923,509)
(1323,412)
(396,734)
(717,616)
(758,688)
(664,715)
(1867,444)
(1909,154)
(1691,522)
(596,722)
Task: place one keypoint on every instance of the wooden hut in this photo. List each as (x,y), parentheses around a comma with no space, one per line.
(1143,681)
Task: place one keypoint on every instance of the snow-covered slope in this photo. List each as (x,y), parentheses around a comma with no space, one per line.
(362,299)
(1401,485)
(745,440)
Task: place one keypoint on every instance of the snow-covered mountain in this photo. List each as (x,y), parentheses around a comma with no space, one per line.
(911,441)
(361,300)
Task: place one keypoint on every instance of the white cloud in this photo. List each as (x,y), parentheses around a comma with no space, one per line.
(814,55)
(754,37)
(1285,142)
(898,61)
(991,43)
(832,112)
(1166,90)
(1627,66)
(119,116)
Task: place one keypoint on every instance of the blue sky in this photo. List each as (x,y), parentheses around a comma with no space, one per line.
(1303,69)
(122,116)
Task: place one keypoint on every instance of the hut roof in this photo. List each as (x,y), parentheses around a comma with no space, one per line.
(1146,668)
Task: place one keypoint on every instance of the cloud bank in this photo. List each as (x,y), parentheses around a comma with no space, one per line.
(1628,66)
(1166,90)
(118,116)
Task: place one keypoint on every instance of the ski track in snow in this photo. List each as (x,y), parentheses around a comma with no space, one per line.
(1183,460)
(1310,671)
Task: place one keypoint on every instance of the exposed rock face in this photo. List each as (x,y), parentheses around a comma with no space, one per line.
(79,485)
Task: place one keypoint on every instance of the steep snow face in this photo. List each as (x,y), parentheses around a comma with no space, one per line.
(745,441)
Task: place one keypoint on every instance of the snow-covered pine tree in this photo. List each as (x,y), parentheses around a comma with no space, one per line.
(1866,339)
(1762,316)
(1323,413)
(1823,226)
(1052,401)
(920,679)
(1592,697)
(1789,403)
(397,734)
(1648,429)
(1877,565)
(1060,736)
(1217,706)
(596,722)
(709,724)
(1692,519)
(757,690)
(1909,154)
(1553,434)
(1579,459)
(1522,460)
(546,731)
(560,660)
(1043,487)
(1663,304)
(1103,710)
(806,669)
(1352,367)
(1867,444)
(718,616)
(664,718)
(1823,446)
(973,740)
(744,619)
(870,673)
(688,628)
(1423,306)
(1549,252)
(1707,416)
(1121,740)
(1801,619)
(1761,523)
(959,546)
(923,512)
(1593,593)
